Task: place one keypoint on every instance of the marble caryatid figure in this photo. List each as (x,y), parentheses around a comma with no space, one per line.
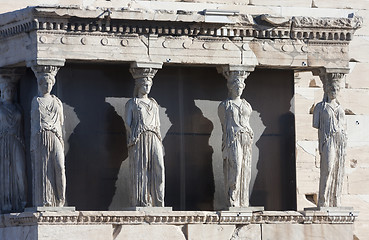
(47,146)
(329,119)
(234,114)
(13,180)
(145,148)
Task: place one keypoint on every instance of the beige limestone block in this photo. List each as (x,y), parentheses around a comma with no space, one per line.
(361,204)
(209,231)
(347,4)
(303,202)
(306,152)
(247,232)
(153,232)
(307,231)
(315,12)
(307,167)
(357,155)
(364,28)
(19,233)
(359,48)
(358,74)
(357,129)
(304,129)
(102,3)
(319,94)
(358,181)
(304,100)
(280,3)
(75,232)
(308,181)
(307,79)
(355,100)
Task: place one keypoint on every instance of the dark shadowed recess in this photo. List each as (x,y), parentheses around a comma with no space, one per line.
(97,145)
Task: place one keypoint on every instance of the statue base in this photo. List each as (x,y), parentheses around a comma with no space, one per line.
(149,209)
(174,225)
(332,211)
(50,209)
(245,209)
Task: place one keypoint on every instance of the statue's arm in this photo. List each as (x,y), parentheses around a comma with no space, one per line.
(61,114)
(34,123)
(128,117)
(221,115)
(20,128)
(157,119)
(316,116)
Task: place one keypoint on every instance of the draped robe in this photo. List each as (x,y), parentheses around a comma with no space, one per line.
(330,122)
(13,179)
(47,152)
(146,153)
(236,149)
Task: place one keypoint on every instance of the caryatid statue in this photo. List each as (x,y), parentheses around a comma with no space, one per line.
(329,119)
(234,114)
(47,145)
(145,148)
(13,180)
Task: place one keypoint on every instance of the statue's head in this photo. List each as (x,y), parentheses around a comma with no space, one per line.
(143,80)
(8,89)
(235,88)
(236,82)
(331,85)
(142,86)
(45,82)
(45,78)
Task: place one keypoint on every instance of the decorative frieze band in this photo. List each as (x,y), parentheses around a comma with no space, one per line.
(337,29)
(174,218)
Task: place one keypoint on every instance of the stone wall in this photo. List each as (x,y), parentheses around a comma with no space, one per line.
(308,90)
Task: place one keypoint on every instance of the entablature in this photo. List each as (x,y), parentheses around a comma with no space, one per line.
(209,37)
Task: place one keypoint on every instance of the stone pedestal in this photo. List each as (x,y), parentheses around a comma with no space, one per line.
(194,225)
(50,209)
(150,209)
(245,209)
(331,212)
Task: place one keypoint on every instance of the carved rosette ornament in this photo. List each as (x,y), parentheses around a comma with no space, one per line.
(144,142)
(13,177)
(47,145)
(329,119)
(234,114)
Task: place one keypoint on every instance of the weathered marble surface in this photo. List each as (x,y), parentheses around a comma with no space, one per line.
(47,145)
(329,119)
(174,225)
(13,178)
(144,142)
(234,114)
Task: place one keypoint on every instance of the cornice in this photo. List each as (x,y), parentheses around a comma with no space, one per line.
(170,23)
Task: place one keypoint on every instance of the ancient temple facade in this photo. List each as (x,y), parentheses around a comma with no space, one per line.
(284,51)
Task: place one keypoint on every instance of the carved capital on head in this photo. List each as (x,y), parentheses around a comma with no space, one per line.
(139,73)
(330,76)
(46,66)
(41,70)
(235,73)
(144,69)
